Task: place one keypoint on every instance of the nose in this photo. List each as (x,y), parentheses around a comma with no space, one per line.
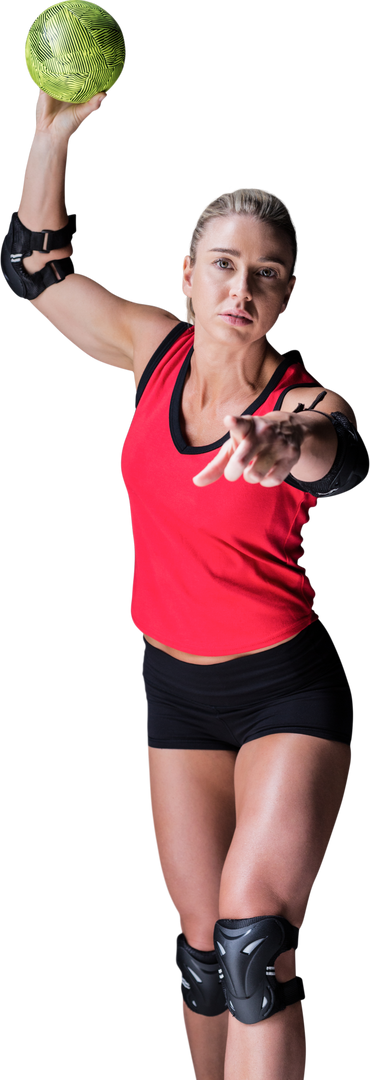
(241,286)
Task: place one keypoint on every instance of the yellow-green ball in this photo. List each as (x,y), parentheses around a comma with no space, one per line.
(75,50)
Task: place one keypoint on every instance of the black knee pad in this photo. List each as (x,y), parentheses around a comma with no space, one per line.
(201,988)
(247,949)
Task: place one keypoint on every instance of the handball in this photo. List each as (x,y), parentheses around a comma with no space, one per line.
(75,50)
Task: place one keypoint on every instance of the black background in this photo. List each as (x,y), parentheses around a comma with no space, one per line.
(204,103)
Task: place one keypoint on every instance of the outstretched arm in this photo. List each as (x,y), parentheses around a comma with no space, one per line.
(301,445)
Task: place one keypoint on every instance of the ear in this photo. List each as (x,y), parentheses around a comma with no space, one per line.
(292,284)
(185,266)
(187,280)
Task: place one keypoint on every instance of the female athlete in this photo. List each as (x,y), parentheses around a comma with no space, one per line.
(250,713)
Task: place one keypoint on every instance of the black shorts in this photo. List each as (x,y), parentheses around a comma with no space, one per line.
(298,686)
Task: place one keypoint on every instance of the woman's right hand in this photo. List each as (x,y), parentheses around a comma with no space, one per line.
(60,118)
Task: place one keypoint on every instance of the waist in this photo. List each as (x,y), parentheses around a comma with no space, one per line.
(194,658)
(293,664)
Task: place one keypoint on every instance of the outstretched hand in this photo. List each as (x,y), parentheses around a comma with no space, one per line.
(262,449)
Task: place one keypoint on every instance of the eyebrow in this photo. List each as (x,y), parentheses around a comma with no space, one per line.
(264,258)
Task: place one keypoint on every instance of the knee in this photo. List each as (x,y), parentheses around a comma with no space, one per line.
(247,949)
(234,967)
(200,982)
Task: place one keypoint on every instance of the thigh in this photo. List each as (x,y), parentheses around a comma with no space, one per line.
(288,790)
(194,818)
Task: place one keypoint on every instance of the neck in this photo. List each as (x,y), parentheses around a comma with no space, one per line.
(220,372)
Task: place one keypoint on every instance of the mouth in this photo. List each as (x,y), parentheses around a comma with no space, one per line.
(236,317)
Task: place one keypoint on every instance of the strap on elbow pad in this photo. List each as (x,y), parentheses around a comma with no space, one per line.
(351,463)
(20,242)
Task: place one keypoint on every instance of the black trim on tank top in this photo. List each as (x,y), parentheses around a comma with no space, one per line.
(293,355)
(295,386)
(175,429)
(158,355)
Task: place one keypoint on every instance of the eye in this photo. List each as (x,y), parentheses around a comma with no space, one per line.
(265,270)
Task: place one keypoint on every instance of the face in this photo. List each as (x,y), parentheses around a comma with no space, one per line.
(240,281)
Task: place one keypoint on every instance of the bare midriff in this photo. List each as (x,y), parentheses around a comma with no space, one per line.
(194,658)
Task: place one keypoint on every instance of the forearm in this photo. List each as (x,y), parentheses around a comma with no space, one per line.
(43,202)
(318,447)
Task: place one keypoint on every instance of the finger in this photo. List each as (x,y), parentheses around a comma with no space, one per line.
(244,438)
(215,468)
(244,455)
(258,472)
(239,460)
(238,421)
(276,475)
(239,427)
(251,475)
(230,420)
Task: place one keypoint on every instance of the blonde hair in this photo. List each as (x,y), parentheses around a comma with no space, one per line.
(260,205)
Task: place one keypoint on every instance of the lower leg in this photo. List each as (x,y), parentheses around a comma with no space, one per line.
(222,1048)
(273,1049)
(207,1040)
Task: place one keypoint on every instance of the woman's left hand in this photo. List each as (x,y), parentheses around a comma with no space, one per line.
(262,449)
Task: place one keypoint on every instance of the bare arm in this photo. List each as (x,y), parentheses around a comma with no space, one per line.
(266,449)
(106,326)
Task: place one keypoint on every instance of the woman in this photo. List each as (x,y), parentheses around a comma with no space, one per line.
(250,714)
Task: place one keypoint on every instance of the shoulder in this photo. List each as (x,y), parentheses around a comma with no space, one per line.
(151,326)
(306,395)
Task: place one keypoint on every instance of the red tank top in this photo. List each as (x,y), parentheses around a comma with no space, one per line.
(216,567)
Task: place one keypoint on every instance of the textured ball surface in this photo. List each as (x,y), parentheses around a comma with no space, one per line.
(75,50)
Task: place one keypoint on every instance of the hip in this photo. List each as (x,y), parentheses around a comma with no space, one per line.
(308,657)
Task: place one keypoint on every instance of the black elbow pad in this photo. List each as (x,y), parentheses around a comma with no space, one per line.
(351,463)
(20,243)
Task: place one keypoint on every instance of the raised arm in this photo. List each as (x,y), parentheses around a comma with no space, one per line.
(106,326)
